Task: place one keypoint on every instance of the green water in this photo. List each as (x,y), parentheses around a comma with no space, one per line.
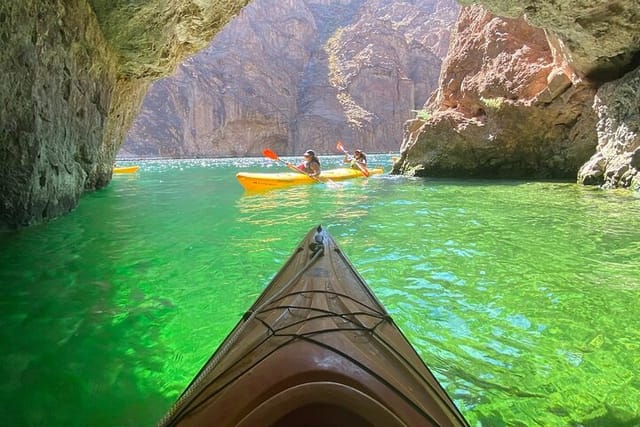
(522,297)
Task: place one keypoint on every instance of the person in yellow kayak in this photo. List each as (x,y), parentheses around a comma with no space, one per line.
(310,164)
(359,158)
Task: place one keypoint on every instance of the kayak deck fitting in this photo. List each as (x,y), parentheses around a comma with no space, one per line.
(316,348)
(263,181)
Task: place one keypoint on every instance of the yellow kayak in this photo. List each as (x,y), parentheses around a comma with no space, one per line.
(126,169)
(256,181)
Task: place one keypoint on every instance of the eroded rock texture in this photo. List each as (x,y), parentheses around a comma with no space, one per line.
(293,75)
(600,38)
(590,43)
(73,76)
(507,106)
(58,76)
(617,162)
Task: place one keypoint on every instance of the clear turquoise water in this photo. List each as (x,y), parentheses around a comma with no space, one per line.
(522,297)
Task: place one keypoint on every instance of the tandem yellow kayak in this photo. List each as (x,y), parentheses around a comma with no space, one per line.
(256,181)
(126,169)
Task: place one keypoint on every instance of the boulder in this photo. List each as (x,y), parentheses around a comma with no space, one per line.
(507,107)
(617,160)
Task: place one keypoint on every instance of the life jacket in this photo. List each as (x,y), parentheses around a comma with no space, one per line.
(305,166)
(362,160)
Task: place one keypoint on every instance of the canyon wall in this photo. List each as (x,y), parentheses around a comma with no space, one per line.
(517,96)
(74,74)
(293,75)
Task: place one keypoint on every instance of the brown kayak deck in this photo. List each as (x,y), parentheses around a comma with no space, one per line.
(315,349)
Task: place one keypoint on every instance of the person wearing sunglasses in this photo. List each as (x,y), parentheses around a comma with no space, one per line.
(311,164)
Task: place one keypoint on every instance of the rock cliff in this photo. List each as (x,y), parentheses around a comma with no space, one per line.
(506,107)
(291,75)
(599,38)
(516,96)
(74,73)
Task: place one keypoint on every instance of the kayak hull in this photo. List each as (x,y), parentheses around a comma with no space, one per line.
(316,348)
(126,169)
(264,181)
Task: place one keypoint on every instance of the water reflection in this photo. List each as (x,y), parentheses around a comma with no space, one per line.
(521,298)
(276,206)
(306,205)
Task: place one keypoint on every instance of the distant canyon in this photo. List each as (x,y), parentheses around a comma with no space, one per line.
(294,75)
(519,88)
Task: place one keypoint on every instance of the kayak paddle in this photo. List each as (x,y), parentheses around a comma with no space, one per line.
(272,155)
(362,167)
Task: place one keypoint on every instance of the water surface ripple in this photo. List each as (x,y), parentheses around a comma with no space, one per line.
(522,297)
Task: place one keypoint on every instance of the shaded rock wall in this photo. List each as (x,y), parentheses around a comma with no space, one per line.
(617,162)
(298,74)
(74,73)
(57,86)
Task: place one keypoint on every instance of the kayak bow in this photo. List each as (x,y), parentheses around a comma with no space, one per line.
(316,348)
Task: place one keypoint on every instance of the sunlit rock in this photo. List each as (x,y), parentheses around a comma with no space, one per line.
(601,38)
(297,75)
(590,43)
(507,106)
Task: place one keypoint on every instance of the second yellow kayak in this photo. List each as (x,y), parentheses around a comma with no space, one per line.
(126,169)
(256,181)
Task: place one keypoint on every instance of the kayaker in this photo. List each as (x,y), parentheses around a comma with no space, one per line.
(359,158)
(311,164)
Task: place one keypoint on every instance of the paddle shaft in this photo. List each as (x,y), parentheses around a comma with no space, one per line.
(292,167)
(273,156)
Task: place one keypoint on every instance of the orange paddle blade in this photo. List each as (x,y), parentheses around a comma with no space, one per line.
(270,154)
(339,146)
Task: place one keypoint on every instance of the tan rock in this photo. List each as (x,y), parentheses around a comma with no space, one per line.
(505,107)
